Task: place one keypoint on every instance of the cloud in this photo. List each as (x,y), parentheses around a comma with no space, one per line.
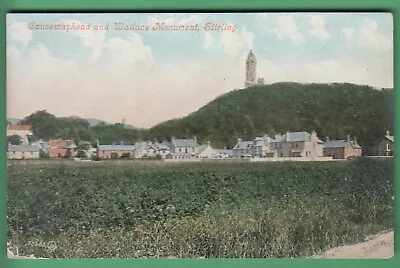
(192,19)
(126,79)
(348,32)
(375,73)
(208,40)
(129,50)
(91,39)
(124,83)
(232,43)
(374,38)
(19,32)
(287,28)
(317,27)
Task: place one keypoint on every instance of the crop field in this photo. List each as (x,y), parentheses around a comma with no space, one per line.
(197,210)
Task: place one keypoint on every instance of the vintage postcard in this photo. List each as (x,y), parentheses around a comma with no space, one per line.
(200,135)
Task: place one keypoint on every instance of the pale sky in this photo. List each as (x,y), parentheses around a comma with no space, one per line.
(147,77)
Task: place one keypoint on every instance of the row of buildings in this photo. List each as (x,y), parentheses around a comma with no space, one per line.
(300,145)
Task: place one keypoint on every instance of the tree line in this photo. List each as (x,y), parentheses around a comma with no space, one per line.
(334,110)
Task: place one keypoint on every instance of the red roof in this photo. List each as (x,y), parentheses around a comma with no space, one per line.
(60,143)
(19,127)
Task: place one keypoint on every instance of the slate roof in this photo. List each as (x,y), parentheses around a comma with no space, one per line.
(117,147)
(203,147)
(184,143)
(23,148)
(243,144)
(60,143)
(301,136)
(341,144)
(19,127)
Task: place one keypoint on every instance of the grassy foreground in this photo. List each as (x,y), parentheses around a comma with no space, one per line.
(197,210)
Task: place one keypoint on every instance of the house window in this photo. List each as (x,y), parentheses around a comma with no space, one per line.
(186,150)
(387,146)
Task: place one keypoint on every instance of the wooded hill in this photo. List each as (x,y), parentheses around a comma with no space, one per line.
(334,110)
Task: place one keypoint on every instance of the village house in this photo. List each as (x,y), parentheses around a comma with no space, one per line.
(140,149)
(59,148)
(179,155)
(115,151)
(206,151)
(342,149)
(296,144)
(24,131)
(386,145)
(163,148)
(223,153)
(259,147)
(243,149)
(184,147)
(23,151)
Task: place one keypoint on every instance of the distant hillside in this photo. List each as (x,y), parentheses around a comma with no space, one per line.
(13,120)
(94,122)
(334,110)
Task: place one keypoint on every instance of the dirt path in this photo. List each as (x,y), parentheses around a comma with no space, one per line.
(378,247)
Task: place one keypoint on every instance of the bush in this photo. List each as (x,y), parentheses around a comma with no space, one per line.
(43,154)
(82,154)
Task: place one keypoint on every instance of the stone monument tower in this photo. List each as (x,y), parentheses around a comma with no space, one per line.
(251,66)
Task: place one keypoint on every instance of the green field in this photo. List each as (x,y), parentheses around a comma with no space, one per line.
(287,209)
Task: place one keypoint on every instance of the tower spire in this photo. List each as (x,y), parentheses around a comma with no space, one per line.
(251,66)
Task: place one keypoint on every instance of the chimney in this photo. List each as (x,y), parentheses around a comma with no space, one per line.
(208,142)
(195,138)
(348,137)
(121,143)
(388,132)
(327,138)
(287,135)
(239,140)
(172,138)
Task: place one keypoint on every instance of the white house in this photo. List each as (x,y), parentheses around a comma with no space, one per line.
(223,153)
(186,146)
(24,131)
(23,151)
(206,151)
(243,149)
(297,144)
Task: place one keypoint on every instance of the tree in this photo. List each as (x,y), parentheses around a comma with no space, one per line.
(81,154)
(14,139)
(83,146)
(43,154)
(68,154)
